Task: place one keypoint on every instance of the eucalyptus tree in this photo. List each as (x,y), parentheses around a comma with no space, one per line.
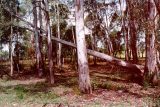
(132,7)
(7,24)
(152,73)
(39,60)
(83,69)
(59,14)
(59,44)
(125,29)
(49,40)
(91,22)
(157,3)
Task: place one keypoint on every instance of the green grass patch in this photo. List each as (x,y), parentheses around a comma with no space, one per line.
(27,94)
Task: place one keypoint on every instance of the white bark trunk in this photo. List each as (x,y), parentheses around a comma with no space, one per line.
(11,51)
(59,54)
(83,69)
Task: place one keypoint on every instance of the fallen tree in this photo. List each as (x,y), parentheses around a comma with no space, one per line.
(113,60)
(138,69)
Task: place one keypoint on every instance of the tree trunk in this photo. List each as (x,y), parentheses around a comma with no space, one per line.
(151,67)
(11,50)
(40,37)
(127,55)
(59,54)
(133,32)
(93,46)
(74,51)
(108,39)
(16,56)
(36,33)
(133,42)
(126,32)
(83,69)
(124,8)
(137,68)
(158,57)
(48,31)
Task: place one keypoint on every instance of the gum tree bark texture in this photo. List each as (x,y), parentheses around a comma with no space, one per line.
(151,67)
(83,69)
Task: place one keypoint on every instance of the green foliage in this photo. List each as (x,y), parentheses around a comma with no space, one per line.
(4,55)
(63,12)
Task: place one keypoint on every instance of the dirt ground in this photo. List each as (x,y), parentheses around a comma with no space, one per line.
(113,86)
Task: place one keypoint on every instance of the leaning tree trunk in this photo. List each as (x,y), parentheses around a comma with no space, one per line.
(48,33)
(151,67)
(83,69)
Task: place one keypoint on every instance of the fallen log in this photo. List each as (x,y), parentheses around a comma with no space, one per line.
(113,60)
(139,69)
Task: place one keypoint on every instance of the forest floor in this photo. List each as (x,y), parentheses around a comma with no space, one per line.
(112,87)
